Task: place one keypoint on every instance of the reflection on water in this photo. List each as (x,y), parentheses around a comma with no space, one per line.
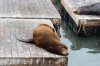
(83,51)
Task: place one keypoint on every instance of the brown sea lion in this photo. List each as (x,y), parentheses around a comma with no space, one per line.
(92,9)
(44,36)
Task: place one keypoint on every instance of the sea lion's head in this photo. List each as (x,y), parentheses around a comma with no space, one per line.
(62,50)
(59,49)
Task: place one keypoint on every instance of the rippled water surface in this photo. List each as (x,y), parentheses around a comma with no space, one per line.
(83,51)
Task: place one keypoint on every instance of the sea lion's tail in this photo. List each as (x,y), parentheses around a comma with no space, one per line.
(26,40)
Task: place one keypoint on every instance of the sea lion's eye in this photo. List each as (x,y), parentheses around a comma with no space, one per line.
(59,46)
(51,47)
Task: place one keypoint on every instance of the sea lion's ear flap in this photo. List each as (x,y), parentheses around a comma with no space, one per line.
(53,30)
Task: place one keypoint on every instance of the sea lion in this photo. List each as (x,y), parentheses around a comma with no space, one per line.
(92,9)
(44,36)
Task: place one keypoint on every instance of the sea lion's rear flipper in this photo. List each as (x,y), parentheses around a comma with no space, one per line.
(26,40)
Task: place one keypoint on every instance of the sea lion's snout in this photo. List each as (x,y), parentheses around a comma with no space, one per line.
(64,51)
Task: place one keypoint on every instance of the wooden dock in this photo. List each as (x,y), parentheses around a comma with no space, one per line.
(17,20)
(87,24)
(14,52)
(28,9)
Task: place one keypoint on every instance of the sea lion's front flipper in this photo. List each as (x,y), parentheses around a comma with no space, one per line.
(57,29)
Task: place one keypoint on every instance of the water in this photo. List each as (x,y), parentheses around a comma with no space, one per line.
(83,51)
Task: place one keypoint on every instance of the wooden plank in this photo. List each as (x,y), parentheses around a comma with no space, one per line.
(28,9)
(2,48)
(67,5)
(78,3)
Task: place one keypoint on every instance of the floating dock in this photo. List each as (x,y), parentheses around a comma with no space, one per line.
(14,52)
(17,20)
(87,24)
(28,9)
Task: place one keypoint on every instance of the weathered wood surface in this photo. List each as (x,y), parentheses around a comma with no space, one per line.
(28,9)
(79,3)
(87,20)
(14,52)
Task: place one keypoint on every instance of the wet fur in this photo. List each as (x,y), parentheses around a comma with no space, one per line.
(93,9)
(46,38)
